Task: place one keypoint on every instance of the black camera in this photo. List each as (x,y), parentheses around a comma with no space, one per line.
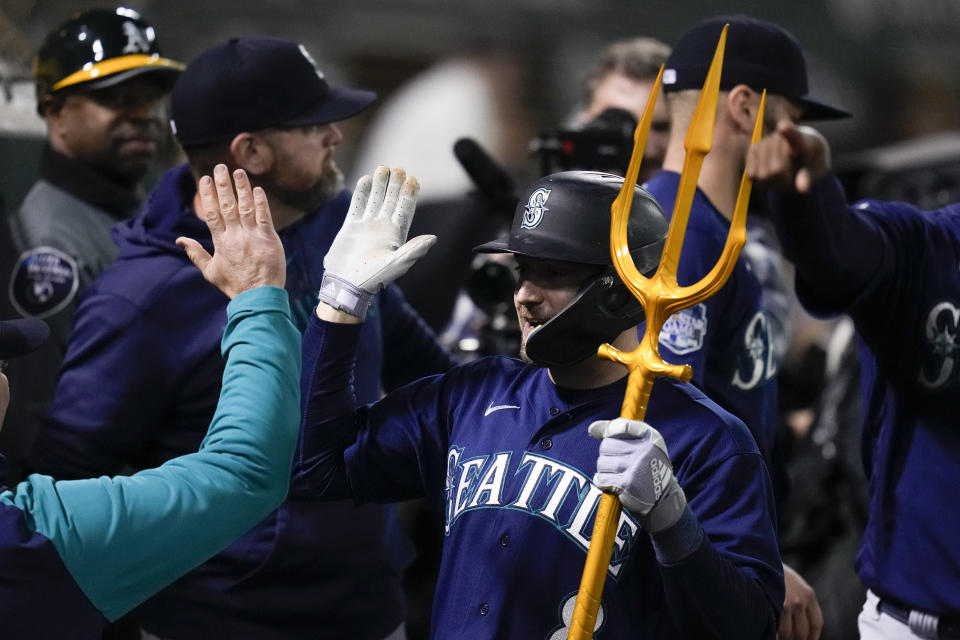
(603,144)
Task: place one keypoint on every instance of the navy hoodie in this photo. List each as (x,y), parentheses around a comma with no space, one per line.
(140,383)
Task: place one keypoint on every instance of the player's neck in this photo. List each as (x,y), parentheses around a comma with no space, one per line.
(720,181)
(719,178)
(595,372)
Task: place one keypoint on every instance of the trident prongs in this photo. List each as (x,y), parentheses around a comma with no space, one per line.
(661,297)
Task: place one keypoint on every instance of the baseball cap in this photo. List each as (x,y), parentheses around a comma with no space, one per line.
(758,54)
(251,84)
(20,337)
(100,48)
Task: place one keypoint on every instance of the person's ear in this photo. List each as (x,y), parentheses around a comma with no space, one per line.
(252,153)
(742,102)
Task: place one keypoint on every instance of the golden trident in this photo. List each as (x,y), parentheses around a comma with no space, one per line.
(661,297)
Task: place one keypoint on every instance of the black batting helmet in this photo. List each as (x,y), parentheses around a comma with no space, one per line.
(566,216)
(100,48)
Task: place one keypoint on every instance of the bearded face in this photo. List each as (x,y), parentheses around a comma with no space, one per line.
(298,191)
(303,174)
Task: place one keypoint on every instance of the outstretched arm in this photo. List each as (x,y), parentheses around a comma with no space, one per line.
(369,252)
(836,250)
(122,539)
(371,249)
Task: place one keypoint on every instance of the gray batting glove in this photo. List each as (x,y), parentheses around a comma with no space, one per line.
(371,249)
(634,465)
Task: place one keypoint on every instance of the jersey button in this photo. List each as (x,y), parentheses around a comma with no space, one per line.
(484,609)
(546,443)
(504,539)
(554,411)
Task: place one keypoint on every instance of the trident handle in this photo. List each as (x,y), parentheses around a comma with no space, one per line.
(661,297)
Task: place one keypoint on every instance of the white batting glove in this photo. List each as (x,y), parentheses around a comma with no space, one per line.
(371,249)
(634,465)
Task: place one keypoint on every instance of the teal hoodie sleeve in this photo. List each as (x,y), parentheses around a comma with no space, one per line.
(124,538)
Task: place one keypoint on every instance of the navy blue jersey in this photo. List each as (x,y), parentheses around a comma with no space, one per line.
(31,565)
(503,457)
(907,314)
(726,339)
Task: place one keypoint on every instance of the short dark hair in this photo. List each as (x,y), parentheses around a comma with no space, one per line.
(637,58)
(204,157)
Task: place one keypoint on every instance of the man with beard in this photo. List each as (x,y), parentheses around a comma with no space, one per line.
(101,84)
(142,371)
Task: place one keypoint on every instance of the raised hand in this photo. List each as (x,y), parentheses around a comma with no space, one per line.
(371,250)
(247,252)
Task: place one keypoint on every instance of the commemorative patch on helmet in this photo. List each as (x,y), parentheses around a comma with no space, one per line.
(683,332)
(43,282)
(534,209)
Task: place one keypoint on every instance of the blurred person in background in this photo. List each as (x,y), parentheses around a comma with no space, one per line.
(622,78)
(101,83)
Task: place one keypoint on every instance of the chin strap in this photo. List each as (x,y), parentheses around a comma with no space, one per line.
(601,311)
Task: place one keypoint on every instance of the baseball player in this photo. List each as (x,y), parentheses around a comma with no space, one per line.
(77,554)
(729,339)
(893,269)
(726,339)
(500,447)
(101,82)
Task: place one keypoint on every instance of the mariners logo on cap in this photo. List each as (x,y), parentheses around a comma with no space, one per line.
(44,281)
(535,208)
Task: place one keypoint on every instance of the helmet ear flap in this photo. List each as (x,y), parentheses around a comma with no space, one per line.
(600,311)
(614,298)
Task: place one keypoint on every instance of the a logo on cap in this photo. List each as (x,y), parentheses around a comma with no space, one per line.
(313,63)
(135,40)
(534,209)
(669,76)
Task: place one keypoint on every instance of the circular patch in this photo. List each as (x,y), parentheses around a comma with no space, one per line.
(44,281)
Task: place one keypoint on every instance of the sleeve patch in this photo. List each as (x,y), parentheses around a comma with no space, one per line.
(43,282)
(684,331)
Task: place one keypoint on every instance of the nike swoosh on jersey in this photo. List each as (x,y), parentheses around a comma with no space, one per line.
(498,407)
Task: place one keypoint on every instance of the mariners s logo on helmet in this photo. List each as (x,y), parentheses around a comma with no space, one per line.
(535,208)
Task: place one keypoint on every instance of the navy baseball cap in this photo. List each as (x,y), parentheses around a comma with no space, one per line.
(758,54)
(251,84)
(20,337)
